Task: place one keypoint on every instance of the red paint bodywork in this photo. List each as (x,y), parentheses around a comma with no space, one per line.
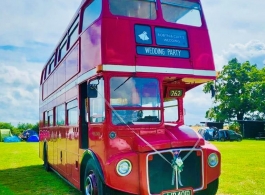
(99,45)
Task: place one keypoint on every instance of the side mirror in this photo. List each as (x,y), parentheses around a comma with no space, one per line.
(92,91)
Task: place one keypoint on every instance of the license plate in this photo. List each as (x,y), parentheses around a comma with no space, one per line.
(178,192)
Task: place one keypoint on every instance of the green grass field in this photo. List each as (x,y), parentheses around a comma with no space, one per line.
(243,170)
(21,171)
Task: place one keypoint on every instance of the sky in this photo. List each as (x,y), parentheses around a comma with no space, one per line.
(30,30)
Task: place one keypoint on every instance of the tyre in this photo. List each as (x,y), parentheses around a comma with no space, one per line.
(239,139)
(222,139)
(45,159)
(211,188)
(92,184)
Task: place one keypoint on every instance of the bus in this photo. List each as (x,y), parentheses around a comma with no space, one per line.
(111,100)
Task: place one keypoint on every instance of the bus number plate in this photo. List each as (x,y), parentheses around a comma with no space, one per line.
(178,192)
(175,92)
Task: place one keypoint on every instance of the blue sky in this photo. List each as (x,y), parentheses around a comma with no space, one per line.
(31,29)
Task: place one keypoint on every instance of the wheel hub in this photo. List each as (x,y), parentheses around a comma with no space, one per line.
(91,185)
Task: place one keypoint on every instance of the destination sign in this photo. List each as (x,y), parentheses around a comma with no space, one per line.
(171,37)
(165,52)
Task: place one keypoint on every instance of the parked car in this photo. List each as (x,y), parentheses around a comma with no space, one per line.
(230,135)
(208,133)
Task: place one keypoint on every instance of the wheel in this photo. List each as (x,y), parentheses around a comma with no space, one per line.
(45,159)
(222,139)
(211,188)
(92,184)
(239,139)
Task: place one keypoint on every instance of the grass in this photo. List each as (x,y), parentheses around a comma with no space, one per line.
(243,170)
(21,171)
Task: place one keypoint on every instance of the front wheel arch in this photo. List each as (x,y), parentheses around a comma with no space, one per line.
(85,159)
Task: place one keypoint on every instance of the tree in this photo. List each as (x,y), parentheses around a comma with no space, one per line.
(4,125)
(25,126)
(236,90)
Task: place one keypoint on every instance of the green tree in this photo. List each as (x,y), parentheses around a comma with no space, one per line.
(36,127)
(24,126)
(257,93)
(4,125)
(236,92)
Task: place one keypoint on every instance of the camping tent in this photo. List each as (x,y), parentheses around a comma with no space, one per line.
(33,138)
(4,133)
(12,139)
(27,133)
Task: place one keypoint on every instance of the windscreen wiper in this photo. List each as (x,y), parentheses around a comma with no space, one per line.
(122,83)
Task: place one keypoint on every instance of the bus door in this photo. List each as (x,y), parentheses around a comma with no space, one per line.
(83,119)
(96,111)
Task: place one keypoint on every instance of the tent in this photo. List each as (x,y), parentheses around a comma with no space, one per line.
(27,133)
(4,133)
(12,139)
(33,138)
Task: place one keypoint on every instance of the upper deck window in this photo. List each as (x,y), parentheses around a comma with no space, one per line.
(47,71)
(63,49)
(182,12)
(91,13)
(51,64)
(134,8)
(73,32)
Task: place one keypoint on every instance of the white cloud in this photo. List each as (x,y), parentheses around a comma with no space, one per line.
(18,95)
(252,51)
(29,32)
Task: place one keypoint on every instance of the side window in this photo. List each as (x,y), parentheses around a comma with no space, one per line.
(171,109)
(72,112)
(50,118)
(46,119)
(97,105)
(73,32)
(60,115)
(62,49)
(91,13)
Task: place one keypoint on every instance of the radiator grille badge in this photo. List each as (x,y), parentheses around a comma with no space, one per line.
(177,165)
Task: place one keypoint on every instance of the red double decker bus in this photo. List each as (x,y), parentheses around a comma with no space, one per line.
(111,99)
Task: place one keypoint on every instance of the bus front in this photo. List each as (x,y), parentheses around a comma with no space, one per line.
(153,52)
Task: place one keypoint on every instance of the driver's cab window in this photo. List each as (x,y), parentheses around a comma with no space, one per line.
(135,101)
(97,105)
(171,110)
